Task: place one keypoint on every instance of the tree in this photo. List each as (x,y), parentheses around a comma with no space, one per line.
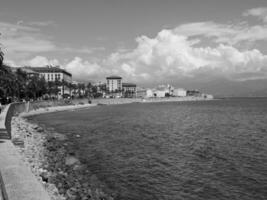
(89,89)
(1,56)
(20,83)
(81,88)
(7,81)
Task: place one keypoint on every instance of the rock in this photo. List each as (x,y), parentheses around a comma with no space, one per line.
(71,160)
(71,193)
(18,141)
(40,129)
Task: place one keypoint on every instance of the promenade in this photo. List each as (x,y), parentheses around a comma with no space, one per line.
(16,179)
(17,182)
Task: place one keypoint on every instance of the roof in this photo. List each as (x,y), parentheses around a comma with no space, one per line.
(113,77)
(49,69)
(128,85)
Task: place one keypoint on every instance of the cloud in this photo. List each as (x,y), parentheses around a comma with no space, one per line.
(85,70)
(40,61)
(84,50)
(171,56)
(42,23)
(19,38)
(261,13)
(195,51)
(224,33)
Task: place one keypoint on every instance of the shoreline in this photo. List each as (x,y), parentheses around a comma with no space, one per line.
(99,102)
(54,165)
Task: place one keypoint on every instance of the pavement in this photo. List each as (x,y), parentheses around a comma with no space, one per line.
(17,182)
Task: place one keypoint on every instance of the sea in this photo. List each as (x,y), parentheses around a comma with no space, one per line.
(197,150)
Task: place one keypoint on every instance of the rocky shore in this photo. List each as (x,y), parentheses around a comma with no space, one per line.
(53,160)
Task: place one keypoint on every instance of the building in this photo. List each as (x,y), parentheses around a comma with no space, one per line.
(180,92)
(195,93)
(129,90)
(114,84)
(53,74)
(149,93)
(141,92)
(161,93)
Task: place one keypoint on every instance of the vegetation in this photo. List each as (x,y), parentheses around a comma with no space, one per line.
(17,85)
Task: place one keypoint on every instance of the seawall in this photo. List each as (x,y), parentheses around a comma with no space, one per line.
(17,182)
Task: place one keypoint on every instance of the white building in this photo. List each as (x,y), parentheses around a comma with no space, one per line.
(52,74)
(149,93)
(114,83)
(180,92)
(161,93)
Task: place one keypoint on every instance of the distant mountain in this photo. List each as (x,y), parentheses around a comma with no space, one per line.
(226,88)
(250,88)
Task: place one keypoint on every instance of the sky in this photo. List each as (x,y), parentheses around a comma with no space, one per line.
(186,43)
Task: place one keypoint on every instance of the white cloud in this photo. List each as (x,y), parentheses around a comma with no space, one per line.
(224,33)
(25,38)
(42,23)
(19,38)
(261,13)
(85,70)
(84,50)
(170,56)
(40,61)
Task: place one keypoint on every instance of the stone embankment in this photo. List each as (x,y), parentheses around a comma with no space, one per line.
(55,164)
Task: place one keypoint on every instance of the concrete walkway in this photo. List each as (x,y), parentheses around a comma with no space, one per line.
(17,182)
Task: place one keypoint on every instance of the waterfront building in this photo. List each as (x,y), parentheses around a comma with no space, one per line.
(195,93)
(114,84)
(129,90)
(149,93)
(141,92)
(180,92)
(53,74)
(161,93)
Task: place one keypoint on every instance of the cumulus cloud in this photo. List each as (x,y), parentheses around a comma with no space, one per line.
(85,70)
(261,13)
(171,56)
(40,61)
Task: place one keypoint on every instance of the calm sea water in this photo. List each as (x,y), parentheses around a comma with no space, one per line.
(170,151)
